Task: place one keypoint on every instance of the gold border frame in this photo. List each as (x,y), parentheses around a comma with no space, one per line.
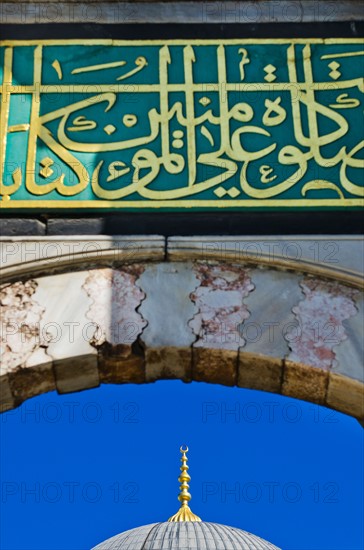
(192,204)
(285,203)
(202,41)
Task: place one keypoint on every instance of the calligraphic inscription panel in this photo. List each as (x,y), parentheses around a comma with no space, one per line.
(102,124)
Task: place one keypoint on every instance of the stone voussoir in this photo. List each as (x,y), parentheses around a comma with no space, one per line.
(114,369)
(76,374)
(304,382)
(32,381)
(168,363)
(346,395)
(217,366)
(260,372)
(7,399)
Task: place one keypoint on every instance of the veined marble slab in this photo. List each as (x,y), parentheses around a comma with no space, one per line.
(339,257)
(112,11)
(31,256)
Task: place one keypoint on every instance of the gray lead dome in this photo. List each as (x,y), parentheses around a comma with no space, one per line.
(190,535)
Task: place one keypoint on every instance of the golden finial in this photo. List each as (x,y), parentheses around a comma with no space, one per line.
(184,513)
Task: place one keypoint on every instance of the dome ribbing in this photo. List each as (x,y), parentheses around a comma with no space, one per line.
(192,535)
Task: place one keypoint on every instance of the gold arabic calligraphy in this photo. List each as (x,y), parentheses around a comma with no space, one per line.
(228,133)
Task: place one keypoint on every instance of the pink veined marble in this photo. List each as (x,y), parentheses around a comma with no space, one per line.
(115,299)
(20,334)
(320,319)
(219,299)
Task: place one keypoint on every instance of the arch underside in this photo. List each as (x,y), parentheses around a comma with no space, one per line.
(143,312)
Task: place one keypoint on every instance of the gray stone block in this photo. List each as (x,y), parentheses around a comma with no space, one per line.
(75,226)
(21,227)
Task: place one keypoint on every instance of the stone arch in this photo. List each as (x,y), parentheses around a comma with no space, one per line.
(138,309)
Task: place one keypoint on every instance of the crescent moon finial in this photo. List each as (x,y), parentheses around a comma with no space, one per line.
(184,513)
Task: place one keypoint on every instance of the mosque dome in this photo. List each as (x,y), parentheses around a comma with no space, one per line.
(188,535)
(185,531)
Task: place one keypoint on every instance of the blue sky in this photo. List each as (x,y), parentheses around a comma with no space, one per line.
(82,467)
